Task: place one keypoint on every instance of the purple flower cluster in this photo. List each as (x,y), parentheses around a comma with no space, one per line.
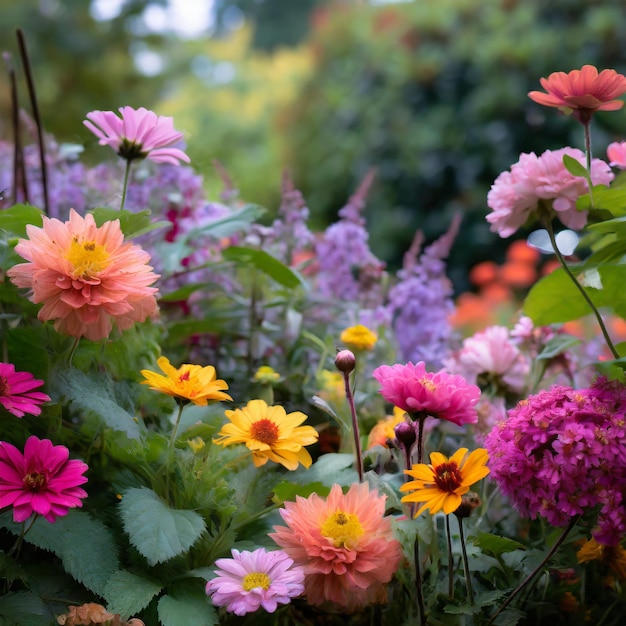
(562,452)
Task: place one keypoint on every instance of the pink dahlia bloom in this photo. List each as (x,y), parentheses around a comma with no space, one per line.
(616,153)
(251,580)
(16,391)
(535,181)
(138,134)
(491,359)
(42,480)
(560,453)
(344,543)
(87,277)
(416,391)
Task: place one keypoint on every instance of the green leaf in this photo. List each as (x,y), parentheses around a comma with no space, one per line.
(265,263)
(132,224)
(494,544)
(574,167)
(128,594)
(186,610)
(23,609)
(557,345)
(328,469)
(15,219)
(230,224)
(157,531)
(286,491)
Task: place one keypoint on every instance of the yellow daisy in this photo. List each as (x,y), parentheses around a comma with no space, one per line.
(270,433)
(359,337)
(441,484)
(191,382)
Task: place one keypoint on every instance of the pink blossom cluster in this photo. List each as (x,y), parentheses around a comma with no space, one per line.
(562,452)
(515,195)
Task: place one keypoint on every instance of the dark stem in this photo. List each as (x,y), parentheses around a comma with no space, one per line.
(35,108)
(466,569)
(418,583)
(355,425)
(125,187)
(420,439)
(450,559)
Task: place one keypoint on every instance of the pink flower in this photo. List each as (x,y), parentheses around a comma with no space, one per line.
(582,91)
(16,391)
(416,391)
(137,134)
(541,182)
(344,543)
(255,579)
(616,153)
(87,277)
(42,480)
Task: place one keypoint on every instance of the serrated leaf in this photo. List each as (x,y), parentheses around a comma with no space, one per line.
(128,594)
(23,609)
(265,263)
(286,491)
(132,223)
(15,219)
(495,544)
(157,531)
(186,610)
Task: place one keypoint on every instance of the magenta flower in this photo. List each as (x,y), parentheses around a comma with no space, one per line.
(16,391)
(255,579)
(616,153)
(42,480)
(137,134)
(441,395)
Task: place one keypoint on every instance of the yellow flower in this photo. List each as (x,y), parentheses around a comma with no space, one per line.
(359,337)
(332,386)
(441,484)
(192,382)
(383,431)
(266,375)
(196,445)
(613,556)
(270,433)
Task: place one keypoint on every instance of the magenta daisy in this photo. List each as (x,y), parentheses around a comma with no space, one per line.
(16,391)
(422,394)
(43,480)
(251,580)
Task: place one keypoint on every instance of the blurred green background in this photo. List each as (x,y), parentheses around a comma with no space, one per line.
(432,93)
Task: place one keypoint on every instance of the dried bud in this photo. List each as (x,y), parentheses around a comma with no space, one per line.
(405,435)
(468,503)
(345,361)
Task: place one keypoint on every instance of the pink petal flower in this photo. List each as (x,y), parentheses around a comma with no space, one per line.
(16,391)
(616,153)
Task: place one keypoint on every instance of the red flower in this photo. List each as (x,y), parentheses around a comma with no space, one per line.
(16,391)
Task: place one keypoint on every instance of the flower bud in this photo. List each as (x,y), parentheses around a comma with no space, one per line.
(405,435)
(345,361)
(469,502)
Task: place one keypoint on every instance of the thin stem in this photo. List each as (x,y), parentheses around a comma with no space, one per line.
(355,425)
(466,569)
(537,569)
(581,289)
(171,446)
(125,186)
(450,559)
(420,439)
(18,544)
(587,128)
(73,351)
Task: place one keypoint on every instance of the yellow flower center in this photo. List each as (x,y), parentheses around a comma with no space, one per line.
(35,482)
(265,431)
(254,580)
(87,258)
(5,389)
(343,528)
(448,477)
(428,384)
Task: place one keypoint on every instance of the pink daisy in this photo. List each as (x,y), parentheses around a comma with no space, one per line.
(42,480)
(421,393)
(87,277)
(16,391)
(251,580)
(137,134)
(344,543)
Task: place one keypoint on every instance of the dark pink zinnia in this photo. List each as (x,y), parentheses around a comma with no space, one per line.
(422,394)
(16,391)
(43,480)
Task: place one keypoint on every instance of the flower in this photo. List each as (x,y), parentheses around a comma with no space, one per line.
(582,92)
(416,391)
(137,134)
(616,153)
(442,483)
(542,182)
(613,556)
(190,382)
(91,614)
(384,430)
(270,433)
(255,579)
(16,391)
(42,480)
(344,543)
(345,361)
(359,337)
(87,277)
(266,375)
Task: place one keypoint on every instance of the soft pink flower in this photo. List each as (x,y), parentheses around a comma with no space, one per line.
(616,153)
(137,134)
(516,196)
(344,543)
(439,394)
(251,580)
(16,391)
(87,277)
(42,480)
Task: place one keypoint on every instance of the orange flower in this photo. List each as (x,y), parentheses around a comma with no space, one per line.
(383,431)
(87,277)
(582,92)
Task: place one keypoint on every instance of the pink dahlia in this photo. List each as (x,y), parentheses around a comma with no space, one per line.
(421,393)
(344,543)
(251,580)
(42,480)
(138,134)
(561,453)
(616,153)
(87,277)
(536,182)
(16,391)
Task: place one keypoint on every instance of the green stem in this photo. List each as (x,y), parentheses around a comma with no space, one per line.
(171,449)
(450,559)
(466,569)
(18,544)
(125,187)
(355,425)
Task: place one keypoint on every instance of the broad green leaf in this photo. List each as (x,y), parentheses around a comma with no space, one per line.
(494,544)
(157,531)
(127,594)
(230,224)
(611,199)
(557,345)
(328,469)
(574,167)
(23,609)
(186,610)
(265,263)
(286,491)
(15,219)
(132,224)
